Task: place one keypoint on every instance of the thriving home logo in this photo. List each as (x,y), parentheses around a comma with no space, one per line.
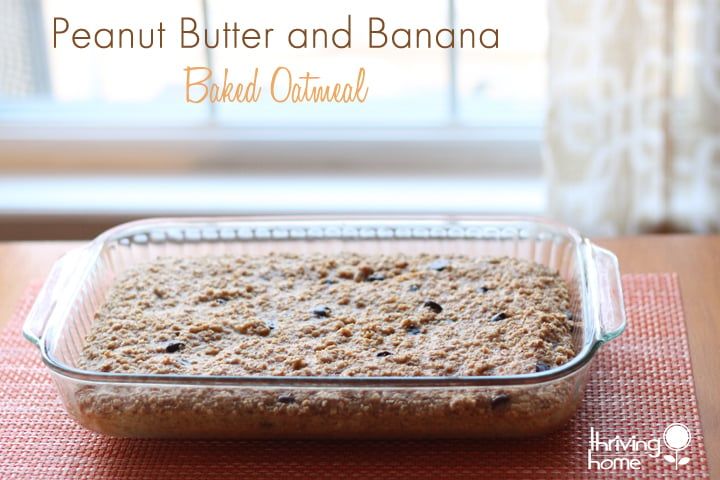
(617,453)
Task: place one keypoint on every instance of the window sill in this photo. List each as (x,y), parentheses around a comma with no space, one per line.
(431,151)
(32,200)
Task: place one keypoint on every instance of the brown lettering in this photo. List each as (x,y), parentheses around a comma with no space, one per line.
(56,31)
(377,31)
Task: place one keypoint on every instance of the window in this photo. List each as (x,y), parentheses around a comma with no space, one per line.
(442,130)
(412,87)
(485,104)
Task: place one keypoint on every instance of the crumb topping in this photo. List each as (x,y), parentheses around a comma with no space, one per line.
(342,314)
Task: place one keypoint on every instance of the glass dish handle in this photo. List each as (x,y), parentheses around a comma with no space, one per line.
(46,300)
(612,305)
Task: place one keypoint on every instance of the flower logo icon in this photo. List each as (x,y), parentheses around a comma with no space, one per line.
(677,438)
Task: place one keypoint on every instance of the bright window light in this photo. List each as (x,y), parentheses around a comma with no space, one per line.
(466,88)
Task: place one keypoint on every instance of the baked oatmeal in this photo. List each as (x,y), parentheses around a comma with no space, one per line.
(331,315)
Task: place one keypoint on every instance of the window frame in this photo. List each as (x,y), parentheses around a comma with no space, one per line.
(449,148)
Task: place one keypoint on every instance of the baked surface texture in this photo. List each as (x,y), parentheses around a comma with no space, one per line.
(343,314)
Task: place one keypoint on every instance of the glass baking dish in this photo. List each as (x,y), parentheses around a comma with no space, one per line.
(184,406)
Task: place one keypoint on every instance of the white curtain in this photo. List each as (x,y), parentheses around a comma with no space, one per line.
(23,68)
(633,128)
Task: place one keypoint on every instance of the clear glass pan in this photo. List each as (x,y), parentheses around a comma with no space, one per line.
(176,406)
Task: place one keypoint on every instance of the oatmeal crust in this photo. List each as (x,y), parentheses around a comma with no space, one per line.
(343,315)
(333,315)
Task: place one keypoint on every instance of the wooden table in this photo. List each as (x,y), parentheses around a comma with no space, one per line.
(695,258)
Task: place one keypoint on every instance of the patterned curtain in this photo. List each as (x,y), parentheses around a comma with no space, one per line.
(633,128)
(23,66)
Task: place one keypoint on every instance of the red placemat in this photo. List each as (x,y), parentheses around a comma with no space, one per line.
(641,384)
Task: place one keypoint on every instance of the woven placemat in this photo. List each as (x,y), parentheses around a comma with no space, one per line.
(641,383)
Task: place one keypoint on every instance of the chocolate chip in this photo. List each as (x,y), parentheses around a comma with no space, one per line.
(383,354)
(499,316)
(286,399)
(375,277)
(414,288)
(439,265)
(173,347)
(500,401)
(434,306)
(413,330)
(542,367)
(321,311)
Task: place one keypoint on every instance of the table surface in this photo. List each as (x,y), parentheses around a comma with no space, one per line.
(696,259)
